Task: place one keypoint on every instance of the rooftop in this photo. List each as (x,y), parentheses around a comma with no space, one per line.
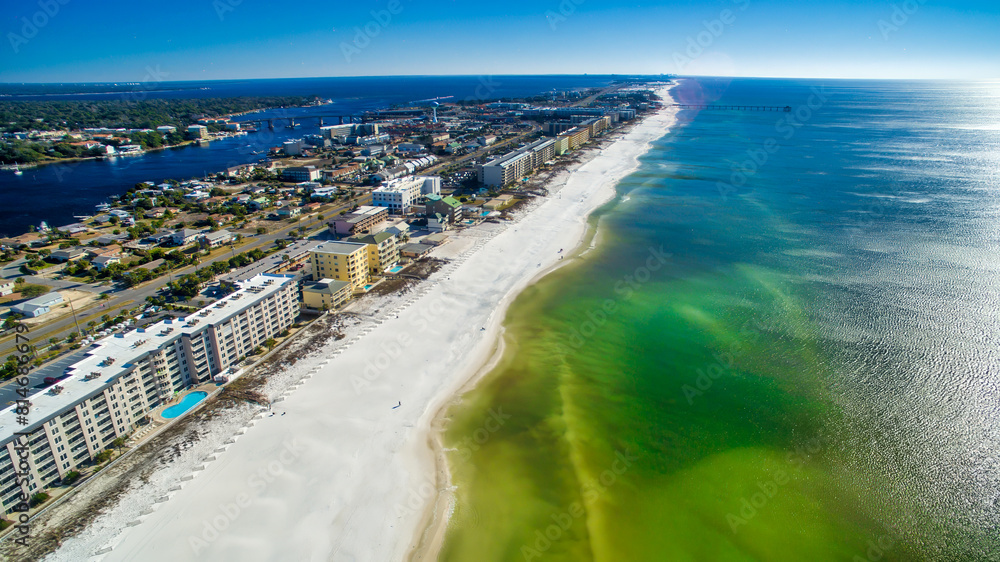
(371,238)
(340,248)
(327,286)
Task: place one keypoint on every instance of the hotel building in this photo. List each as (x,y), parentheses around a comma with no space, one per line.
(125,376)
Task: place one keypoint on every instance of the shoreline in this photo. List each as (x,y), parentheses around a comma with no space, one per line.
(427,544)
(349,475)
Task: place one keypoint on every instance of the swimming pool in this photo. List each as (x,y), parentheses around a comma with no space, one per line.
(184,405)
(396,269)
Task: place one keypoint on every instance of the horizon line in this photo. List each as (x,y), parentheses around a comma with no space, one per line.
(624,75)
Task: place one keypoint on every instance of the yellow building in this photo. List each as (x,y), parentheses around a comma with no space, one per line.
(341,261)
(561,146)
(326,294)
(383,252)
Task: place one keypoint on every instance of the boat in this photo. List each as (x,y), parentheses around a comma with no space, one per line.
(102,207)
(17,171)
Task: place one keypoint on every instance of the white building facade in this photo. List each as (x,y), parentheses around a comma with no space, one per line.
(399,195)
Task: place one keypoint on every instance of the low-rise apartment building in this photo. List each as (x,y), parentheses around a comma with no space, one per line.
(300,173)
(326,294)
(125,376)
(383,252)
(342,261)
(363,220)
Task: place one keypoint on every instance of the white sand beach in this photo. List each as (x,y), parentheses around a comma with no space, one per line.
(338,473)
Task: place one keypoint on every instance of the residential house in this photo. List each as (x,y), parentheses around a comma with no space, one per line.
(184,236)
(442,212)
(67,254)
(108,239)
(38,305)
(289,212)
(216,239)
(415,251)
(259,204)
(102,262)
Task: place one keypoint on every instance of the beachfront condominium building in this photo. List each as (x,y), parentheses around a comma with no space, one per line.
(576,137)
(383,251)
(364,220)
(511,167)
(123,377)
(342,261)
(399,195)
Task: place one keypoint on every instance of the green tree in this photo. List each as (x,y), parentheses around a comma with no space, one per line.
(32,291)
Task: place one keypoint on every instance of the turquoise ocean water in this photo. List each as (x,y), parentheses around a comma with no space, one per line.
(785,346)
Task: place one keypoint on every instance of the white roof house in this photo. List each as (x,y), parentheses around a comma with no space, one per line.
(38,305)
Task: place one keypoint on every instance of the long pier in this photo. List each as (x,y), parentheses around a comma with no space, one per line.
(786,108)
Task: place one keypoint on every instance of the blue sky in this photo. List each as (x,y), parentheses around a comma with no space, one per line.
(87,40)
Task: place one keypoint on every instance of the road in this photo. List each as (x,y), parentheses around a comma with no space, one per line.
(12,270)
(479,153)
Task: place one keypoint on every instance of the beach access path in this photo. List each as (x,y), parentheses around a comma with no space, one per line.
(340,472)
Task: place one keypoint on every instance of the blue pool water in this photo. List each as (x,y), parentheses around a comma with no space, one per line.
(184,405)
(396,269)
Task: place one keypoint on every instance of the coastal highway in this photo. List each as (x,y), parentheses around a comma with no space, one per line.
(121,299)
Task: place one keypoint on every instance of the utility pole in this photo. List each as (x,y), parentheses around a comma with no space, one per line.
(77,322)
